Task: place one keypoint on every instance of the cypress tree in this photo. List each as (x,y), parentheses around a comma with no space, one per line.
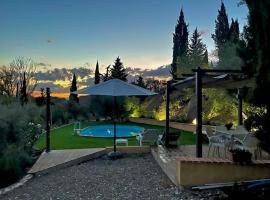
(97,74)
(106,76)
(222,34)
(197,51)
(247,51)
(23,92)
(234,31)
(180,45)
(230,58)
(259,47)
(73,88)
(118,71)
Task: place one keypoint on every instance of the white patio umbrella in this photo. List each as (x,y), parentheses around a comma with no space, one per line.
(115,88)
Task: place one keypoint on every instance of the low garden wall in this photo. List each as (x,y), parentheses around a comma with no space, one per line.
(198,171)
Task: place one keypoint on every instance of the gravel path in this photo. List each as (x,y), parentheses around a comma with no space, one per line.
(132,177)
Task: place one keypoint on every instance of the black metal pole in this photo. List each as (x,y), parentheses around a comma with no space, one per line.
(167,130)
(48,120)
(114,125)
(240,108)
(199,112)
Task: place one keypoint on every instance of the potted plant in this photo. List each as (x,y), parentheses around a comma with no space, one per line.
(241,156)
(229,125)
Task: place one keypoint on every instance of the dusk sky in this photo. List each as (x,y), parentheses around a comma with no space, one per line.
(68,33)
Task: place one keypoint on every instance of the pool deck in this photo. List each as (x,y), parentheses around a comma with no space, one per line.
(177,125)
(56,159)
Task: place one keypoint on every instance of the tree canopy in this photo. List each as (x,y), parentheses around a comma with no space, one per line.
(180,45)
(118,71)
(97,74)
(198,55)
(257,60)
(73,88)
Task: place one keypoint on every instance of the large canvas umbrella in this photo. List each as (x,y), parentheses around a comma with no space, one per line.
(115,88)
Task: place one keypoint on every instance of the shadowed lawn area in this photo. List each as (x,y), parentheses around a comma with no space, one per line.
(63,138)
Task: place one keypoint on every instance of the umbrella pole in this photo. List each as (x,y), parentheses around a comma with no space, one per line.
(114,125)
(114,139)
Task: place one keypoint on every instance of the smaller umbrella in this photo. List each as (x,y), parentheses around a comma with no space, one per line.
(115,88)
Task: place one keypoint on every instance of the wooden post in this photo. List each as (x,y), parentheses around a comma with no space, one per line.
(199,112)
(48,120)
(167,130)
(240,107)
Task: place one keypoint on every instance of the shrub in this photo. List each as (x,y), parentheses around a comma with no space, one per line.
(134,107)
(13,163)
(219,106)
(19,125)
(20,129)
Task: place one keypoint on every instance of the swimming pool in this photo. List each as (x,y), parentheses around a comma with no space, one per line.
(106,131)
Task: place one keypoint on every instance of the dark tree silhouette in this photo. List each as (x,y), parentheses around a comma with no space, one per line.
(196,50)
(8,79)
(118,71)
(23,92)
(97,74)
(17,90)
(25,69)
(205,59)
(222,30)
(247,51)
(73,88)
(140,82)
(106,76)
(257,59)
(41,99)
(234,31)
(222,34)
(180,44)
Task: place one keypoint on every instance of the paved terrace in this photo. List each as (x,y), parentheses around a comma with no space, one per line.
(168,158)
(177,125)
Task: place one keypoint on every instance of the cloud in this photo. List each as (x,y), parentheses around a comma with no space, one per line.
(44,64)
(204,32)
(63,74)
(59,79)
(160,71)
(213,55)
(54,87)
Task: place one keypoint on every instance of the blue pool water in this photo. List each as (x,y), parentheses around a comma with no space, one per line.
(106,131)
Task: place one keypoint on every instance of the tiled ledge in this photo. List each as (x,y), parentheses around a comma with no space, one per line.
(218,161)
(198,171)
(203,160)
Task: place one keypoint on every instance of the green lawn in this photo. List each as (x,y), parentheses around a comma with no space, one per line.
(63,138)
